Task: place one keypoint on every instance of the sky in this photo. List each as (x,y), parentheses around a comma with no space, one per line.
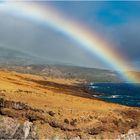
(116,22)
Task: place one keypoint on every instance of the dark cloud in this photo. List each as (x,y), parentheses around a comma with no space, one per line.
(126,37)
(129,42)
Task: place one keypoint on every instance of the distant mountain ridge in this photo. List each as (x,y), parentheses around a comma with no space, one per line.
(10,56)
(15,57)
(24,62)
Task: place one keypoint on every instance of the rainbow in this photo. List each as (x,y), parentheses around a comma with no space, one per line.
(78,32)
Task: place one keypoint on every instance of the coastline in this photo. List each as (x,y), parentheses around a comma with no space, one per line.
(120,93)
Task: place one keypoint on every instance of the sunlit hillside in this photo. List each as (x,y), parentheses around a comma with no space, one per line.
(59,107)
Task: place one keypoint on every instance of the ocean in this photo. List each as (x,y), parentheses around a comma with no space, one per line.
(122,93)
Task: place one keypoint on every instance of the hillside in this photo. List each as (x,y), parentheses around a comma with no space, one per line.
(26,63)
(15,57)
(67,72)
(33,106)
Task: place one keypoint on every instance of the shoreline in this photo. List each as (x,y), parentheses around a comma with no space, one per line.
(115,97)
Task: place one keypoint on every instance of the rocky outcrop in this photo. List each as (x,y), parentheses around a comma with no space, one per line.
(17,105)
(12,129)
(131,135)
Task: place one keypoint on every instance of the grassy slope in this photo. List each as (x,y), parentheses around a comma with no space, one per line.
(75,113)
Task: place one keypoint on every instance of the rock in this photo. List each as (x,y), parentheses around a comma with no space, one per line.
(8,128)
(55,137)
(51,113)
(33,134)
(19,134)
(73,122)
(66,121)
(26,128)
(95,131)
(76,138)
(54,124)
(11,129)
(130,135)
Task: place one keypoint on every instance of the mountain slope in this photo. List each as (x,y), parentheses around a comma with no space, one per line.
(15,57)
(58,107)
(68,72)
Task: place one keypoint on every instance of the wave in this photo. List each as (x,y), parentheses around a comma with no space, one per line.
(95,95)
(114,96)
(94,87)
(122,93)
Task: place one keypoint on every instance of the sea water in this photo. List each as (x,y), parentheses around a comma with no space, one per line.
(122,93)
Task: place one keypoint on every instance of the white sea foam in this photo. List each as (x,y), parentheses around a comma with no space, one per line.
(95,95)
(94,87)
(114,96)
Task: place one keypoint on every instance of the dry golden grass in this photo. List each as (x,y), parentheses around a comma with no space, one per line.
(69,102)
